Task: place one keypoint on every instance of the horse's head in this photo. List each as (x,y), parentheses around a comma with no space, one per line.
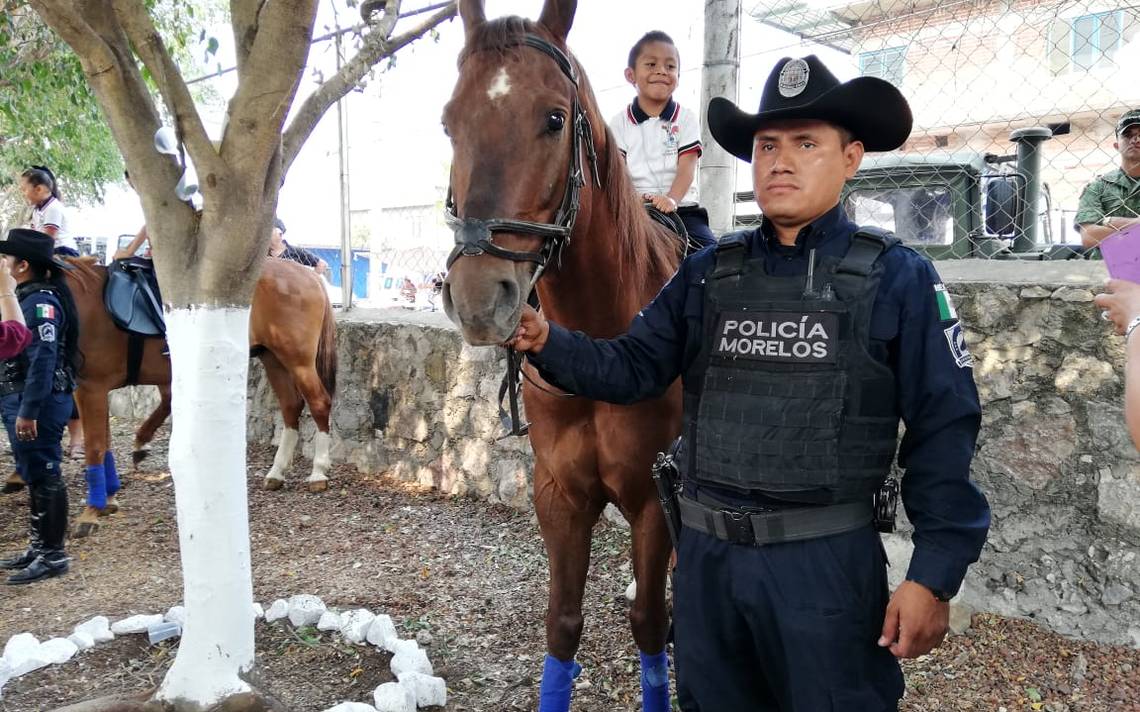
(522,149)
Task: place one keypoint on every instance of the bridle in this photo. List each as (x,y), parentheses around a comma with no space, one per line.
(474,236)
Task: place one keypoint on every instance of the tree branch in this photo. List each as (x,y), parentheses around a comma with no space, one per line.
(63,17)
(95,34)
(277,37)
(243,16)
(376,47)
(136,22)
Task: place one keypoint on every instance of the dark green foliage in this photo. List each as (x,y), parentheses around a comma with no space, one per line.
(48,114)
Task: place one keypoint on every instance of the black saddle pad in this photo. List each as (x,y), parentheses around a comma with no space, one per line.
(132,297)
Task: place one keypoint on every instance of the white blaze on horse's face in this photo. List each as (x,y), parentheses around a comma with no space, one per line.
(500,85)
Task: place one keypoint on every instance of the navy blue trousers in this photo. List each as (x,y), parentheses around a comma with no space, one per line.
(787,627)
(696,221)
(39,458)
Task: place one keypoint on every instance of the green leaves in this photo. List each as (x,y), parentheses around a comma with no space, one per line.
(47,112)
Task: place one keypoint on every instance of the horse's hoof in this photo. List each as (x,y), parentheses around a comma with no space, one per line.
(318,486)
(111,508)
(13,484)
(87,523)
(139,455)
(272,484)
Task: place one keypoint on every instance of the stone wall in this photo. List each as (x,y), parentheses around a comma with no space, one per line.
(1054,457)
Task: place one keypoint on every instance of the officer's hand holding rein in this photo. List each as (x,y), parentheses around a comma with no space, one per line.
(916,621)
(532,331)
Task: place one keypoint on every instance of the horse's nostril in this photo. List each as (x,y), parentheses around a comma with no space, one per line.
(508,293)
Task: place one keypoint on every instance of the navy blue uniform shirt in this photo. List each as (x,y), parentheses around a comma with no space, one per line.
(937,396)
(44,317)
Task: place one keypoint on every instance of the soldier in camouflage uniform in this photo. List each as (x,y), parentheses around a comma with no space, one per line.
(1112,201)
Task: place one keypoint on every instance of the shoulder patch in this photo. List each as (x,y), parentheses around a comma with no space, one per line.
(45,311)
(956,340)
(946,311)
(47,332)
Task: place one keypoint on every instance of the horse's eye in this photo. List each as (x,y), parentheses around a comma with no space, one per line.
(445,131)
(555,122)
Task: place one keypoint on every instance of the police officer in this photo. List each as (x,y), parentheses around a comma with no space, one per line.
(801,345)
(1112,201)
(35,398)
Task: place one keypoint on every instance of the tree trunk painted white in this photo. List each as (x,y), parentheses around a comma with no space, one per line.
(719,77)
(209,349)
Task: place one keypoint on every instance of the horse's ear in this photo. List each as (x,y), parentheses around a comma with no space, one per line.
(558,16)
(472,13)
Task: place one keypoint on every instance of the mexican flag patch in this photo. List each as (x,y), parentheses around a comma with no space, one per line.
(45,311)
(945,306)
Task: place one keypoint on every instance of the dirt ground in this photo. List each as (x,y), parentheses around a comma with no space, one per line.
(472,574)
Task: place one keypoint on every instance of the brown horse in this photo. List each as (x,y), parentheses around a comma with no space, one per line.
(516,120)
(292,330)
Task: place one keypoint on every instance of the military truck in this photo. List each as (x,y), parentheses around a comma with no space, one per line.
(957,205)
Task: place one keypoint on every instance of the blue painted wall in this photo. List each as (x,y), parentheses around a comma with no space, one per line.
(361,264)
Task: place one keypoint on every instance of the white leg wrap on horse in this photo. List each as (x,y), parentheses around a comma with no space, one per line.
(321,460)
(284,457)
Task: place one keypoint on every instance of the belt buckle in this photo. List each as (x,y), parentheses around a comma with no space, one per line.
(738,526)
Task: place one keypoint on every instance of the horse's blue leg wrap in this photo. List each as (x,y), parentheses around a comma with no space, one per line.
(655,682)
(113,484)
(557,684)
(96,486)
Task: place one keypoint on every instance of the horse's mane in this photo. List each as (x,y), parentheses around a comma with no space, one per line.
(86,271)
(646,251)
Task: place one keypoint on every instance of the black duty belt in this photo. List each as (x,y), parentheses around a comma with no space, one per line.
(760,528)
(9,387)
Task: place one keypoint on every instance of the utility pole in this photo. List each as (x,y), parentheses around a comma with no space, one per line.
(719,77)
(345,215)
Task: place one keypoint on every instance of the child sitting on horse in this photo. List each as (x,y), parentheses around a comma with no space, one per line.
(49,214)
(660,139)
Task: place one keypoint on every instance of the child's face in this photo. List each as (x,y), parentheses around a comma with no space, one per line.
(34,194)
(656,71)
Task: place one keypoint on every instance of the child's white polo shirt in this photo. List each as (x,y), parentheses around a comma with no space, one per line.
(52,214)
(652,145)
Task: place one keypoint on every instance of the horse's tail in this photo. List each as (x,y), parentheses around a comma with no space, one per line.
(326,349)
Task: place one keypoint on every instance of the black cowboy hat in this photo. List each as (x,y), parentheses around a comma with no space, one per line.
(32,245)
(873,110)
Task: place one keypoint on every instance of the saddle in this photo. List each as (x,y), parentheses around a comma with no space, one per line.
(132,297)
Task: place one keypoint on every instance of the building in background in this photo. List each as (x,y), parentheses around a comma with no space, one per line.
(975,70)
(410,245)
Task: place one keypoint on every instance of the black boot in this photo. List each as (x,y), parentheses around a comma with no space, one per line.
(52,525)
(21,561)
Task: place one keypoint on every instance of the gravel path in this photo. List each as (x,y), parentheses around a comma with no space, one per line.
(473,575)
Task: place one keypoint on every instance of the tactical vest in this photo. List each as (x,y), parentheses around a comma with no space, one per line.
(784,398)
(14,371)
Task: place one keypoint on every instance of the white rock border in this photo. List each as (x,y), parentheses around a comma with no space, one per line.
(415,683)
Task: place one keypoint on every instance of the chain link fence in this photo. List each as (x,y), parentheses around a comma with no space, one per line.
(1015,107)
